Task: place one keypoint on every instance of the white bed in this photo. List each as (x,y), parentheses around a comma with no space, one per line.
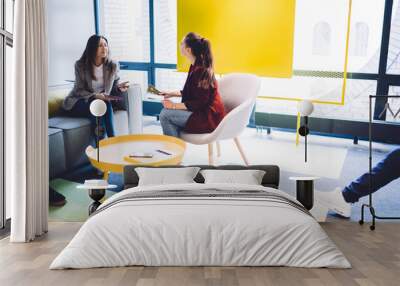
(202,231)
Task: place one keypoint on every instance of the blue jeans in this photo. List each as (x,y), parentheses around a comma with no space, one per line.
(382,174)
(81,109)
(173,121)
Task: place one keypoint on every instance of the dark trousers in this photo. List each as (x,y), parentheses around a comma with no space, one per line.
(81,109)
(382,174)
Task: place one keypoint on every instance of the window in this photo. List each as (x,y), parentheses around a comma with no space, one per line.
(133,76)
(9,12)
(8,88)
(320,35)
(165,30)
(6,42)
(318,62)
(62,53)
(365,35)
(393,63)
(356,100)
(321,30)
(2,110)
(319,57)
(360,45)
(167,79)
(321,39)
(126,25)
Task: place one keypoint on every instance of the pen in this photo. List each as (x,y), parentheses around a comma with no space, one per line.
(163,152)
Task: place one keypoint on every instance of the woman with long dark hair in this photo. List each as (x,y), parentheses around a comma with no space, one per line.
(201,108)
(96,77)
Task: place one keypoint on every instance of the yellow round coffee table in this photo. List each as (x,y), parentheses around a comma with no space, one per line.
(117,152)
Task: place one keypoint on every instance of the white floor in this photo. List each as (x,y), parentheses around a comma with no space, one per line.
(279,148)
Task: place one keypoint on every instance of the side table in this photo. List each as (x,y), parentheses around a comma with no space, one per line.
(96,193)
(305,190)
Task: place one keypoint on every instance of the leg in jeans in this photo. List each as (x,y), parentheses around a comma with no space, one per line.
(82,109)
(173,121)
(382,174)
(108,118)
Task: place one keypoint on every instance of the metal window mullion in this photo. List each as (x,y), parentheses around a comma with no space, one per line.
(96,7)
(140,66)
(2,161)
(382,85)
(6,33)
(393,79)
(164,66)
(3,16)
(333,74)
(151,76)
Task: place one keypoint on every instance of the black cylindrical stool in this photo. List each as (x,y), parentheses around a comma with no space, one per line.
(96,190)
(96,195)
(305,190)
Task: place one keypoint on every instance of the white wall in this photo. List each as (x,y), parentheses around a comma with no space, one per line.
(70,24)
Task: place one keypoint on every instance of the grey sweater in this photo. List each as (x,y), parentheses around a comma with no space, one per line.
(83,84)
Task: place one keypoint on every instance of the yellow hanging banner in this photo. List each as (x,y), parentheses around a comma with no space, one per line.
(254,36)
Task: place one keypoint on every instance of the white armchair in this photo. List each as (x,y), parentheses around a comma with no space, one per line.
(239,93)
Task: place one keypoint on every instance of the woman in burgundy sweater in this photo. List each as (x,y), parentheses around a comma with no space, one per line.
(201,108)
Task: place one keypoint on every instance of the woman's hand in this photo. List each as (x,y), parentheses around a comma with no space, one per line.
(168,104)
(101,96)
(167,94)
(123,87)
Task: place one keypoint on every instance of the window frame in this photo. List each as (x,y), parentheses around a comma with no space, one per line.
(6,39)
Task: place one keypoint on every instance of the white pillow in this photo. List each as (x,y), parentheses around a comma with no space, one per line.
(248,177)
(166,176)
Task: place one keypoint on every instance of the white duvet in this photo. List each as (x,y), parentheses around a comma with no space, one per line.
(206,231)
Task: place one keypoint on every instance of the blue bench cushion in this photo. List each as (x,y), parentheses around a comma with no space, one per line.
(77,135)
(67,123)
(57,164)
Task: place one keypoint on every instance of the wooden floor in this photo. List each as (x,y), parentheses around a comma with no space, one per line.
(375,257)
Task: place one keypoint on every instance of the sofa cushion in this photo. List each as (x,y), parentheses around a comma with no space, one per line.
(57,164)
(66,123)
(77,135)
(121,123)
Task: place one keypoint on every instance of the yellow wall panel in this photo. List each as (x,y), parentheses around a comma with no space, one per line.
(253,36)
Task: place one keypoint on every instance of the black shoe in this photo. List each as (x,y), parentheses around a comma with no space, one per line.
(99,174)
(56,199)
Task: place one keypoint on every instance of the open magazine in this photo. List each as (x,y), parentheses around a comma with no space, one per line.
(155,94)
(153,90)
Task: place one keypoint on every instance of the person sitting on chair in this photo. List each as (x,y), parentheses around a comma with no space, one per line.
(386,171)
(201,108)
(96,77)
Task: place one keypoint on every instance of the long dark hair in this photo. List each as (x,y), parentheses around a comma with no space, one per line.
(201,49)
(88,57)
